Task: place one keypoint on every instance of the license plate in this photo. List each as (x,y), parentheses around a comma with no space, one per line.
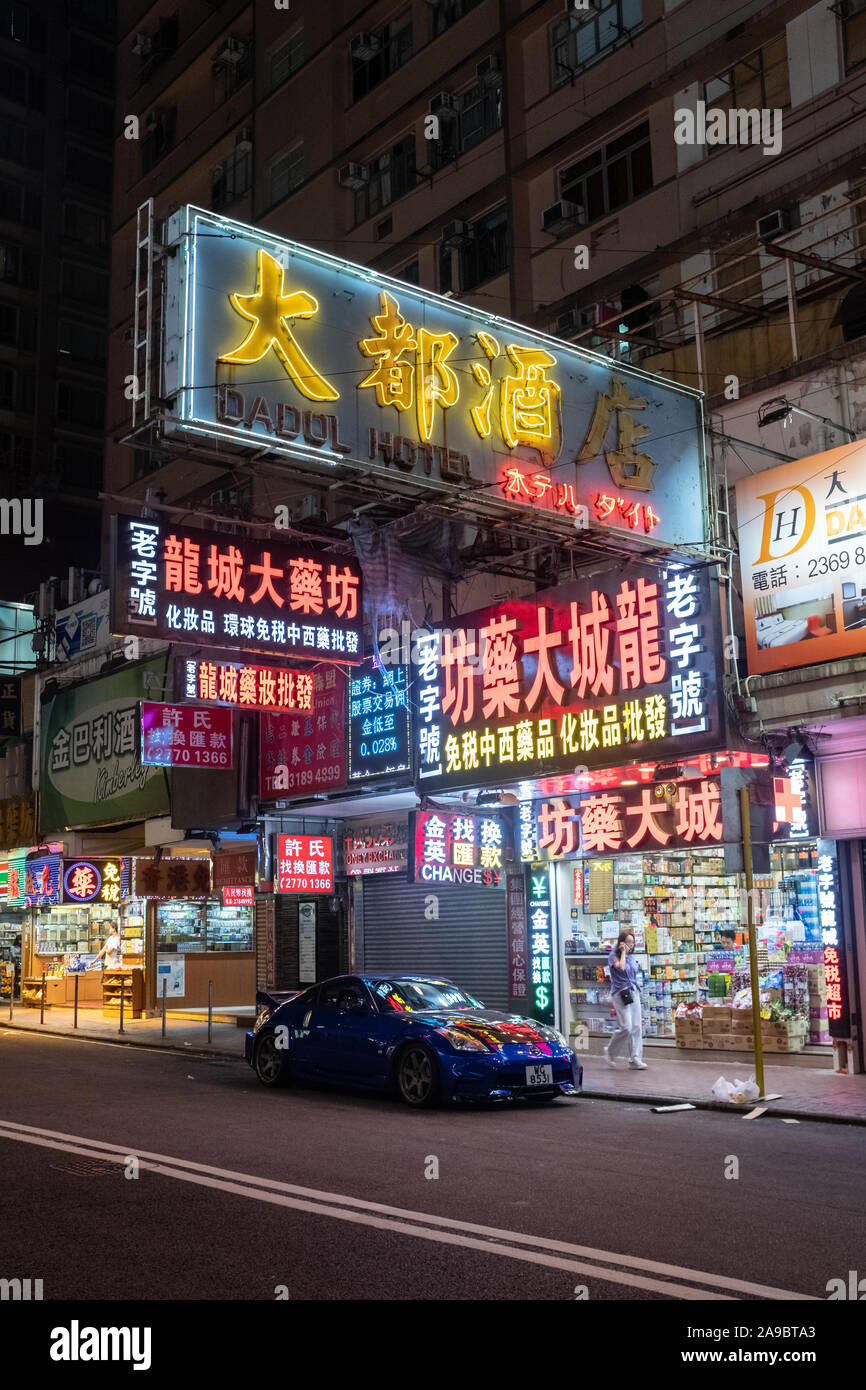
(539,1076)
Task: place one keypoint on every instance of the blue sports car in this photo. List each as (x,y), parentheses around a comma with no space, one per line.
(425,1039)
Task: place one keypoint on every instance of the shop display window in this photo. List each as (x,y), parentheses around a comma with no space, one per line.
(203,926)
(690,921)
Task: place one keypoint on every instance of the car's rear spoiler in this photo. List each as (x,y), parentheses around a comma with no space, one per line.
(271,998)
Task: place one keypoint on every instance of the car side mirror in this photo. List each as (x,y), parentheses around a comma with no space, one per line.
(355,1005)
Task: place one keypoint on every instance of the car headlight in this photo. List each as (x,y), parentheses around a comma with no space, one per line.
(261,1020)
(463,1042)
(551,1035)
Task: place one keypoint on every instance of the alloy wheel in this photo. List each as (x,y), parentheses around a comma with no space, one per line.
(416,1076)
(269,1063)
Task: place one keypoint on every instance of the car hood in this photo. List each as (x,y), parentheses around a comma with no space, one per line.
(490,1026)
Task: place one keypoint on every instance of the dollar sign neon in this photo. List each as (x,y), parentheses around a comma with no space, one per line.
(541,997)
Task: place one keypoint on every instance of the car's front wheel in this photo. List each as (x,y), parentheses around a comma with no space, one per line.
(418,1081)
(270,1061)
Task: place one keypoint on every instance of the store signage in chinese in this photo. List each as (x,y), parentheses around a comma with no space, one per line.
(405,383)
(539,912)
(171,878)
(832,940)
(208,589)
(591,674)
(95,880)
(248,687)
(237,896)
(17,821)
(457,848)
(304,753)
(305,864)
(10,706)
(632,819)
(232,868)
(90,769)
(378,722)
(802,540)
(516,899)
(34,877)
(795,801)
(378,847)
(185,736)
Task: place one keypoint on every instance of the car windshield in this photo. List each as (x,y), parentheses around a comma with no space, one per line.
(416,996)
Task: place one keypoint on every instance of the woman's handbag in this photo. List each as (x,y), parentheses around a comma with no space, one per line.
(626,996)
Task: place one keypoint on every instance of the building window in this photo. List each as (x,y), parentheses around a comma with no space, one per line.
(390,176)
(393,48)
(17,389)
(85,225)
(232,67)
(476,115)
(158,47)
(16,457)
(232,179)
(22,86)
(582,38)
(613,176)
(83,166)
(79,466)
(80,405)
(287,173)
(19,24)
(19,265)
(17,327)
(447,12)
(90,114)
(80,342)
(286,59)
(91,60)
(410,274)
(481,254)
(83,283)
(98,13)
(759,82)
(158,137)
(19,204)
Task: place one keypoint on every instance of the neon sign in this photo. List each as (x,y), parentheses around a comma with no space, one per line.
(458,848)
(248,687)
(305,864)
(539,913)
(347,351)
(208,589)
(95,880)
(577,676)
(631,818)
(378,723)
(838,1015)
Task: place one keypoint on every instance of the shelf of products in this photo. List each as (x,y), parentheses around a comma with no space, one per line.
(129,984)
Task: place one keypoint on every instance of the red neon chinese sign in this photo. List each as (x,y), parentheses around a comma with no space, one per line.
(249,687)
(629,819)
(456,848)
(305,864)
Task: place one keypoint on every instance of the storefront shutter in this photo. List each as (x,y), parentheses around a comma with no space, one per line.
(468,943)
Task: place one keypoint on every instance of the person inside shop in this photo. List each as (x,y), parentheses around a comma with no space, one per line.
(112,951)
(625,998)
(727,941)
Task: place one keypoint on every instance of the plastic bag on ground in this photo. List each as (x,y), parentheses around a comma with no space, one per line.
(736,1092)
(722,1089)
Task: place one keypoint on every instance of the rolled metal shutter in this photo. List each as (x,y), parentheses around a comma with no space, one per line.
(468,943)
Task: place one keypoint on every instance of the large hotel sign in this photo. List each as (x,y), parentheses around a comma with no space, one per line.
(616,669)
(272,344)
(209,589)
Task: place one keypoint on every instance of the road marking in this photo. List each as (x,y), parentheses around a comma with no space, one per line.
(446,1230)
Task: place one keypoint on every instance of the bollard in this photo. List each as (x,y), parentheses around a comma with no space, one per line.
(122,995)
(75,1002)
(11,992)
(42,1001)
(164,983)
(210,1010)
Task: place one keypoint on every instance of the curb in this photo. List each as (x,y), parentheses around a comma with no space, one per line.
(727,1108)
(194,1049)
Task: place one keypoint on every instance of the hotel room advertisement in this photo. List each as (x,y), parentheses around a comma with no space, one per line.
(802,536)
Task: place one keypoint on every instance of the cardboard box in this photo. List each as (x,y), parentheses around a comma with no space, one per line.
(715,1041)
(794,1043)
(740,1042)
(716,1019)
(693,1041)
(792,1028)
(742,1021)
(688,1027)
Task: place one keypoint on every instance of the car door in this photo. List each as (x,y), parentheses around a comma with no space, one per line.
(355,1048)
(316,1030)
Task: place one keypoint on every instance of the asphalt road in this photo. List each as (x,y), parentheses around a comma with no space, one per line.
(248,1194)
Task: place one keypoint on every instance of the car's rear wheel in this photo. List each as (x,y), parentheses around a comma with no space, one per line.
(271,1064)
(418,1081)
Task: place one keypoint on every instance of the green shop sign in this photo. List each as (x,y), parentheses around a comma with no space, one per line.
(90,770)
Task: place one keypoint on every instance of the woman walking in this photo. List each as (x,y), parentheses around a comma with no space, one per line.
(626,1002)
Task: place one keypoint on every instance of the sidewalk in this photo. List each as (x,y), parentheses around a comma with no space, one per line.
(806,1092)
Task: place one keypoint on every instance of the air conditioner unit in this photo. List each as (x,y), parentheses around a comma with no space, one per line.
(232,51)
(562,216)
(443,102)
(489,70)
(308,508)
(364,47)
(773,224)
(353,176)
(142,44)
(456,234)
(244,140)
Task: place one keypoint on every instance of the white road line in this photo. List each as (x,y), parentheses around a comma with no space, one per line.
(395,1218)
